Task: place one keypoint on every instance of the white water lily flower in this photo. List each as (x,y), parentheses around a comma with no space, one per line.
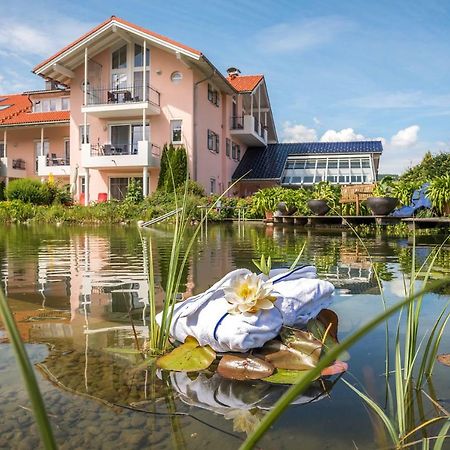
(247,294)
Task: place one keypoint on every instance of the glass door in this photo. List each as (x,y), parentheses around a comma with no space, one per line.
(120,139)
(37,151)
(119,75)
(137,136)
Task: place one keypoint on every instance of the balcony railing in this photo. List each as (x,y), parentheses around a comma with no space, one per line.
(123,95)
(54,160)
(237,123)
(121,149)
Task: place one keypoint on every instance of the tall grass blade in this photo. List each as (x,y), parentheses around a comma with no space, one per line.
(441,436)
(390,426)
(37,403)
(292,393)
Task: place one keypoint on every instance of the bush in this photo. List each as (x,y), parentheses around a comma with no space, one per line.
(173,164)
(134,193)
(28,190)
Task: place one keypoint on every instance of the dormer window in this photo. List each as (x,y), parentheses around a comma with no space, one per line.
(213,95)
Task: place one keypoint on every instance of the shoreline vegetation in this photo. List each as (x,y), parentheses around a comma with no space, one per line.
(32,201)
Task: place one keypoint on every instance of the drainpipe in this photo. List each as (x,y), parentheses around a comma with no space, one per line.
(194,152)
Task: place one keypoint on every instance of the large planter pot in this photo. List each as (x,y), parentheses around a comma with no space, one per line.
(318,207)
(284,210)
(381,206)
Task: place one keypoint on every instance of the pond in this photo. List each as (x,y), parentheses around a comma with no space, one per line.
(76,290)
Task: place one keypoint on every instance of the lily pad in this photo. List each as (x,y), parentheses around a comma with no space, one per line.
(444,359)
(188,357)
(318,329)
(300,350)
(283,376)
(244,367)
(329,319)
(335,369)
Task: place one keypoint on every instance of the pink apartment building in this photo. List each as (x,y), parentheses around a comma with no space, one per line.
(114,97)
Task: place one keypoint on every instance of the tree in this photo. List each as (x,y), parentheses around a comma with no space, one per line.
(173,163)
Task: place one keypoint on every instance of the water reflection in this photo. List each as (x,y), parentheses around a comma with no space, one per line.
(77,288)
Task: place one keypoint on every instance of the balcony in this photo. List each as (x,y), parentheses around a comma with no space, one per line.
(12,168)
(248,130)
(144,154)
(53,165)
(123,102)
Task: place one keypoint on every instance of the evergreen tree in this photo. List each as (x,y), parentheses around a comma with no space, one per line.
(173,162)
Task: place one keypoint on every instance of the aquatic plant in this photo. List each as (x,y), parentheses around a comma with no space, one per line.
(29,378)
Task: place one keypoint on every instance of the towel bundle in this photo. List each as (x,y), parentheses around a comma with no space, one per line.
(299,297)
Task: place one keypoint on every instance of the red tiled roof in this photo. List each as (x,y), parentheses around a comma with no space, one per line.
(123,22)
(245,83)
(19,113)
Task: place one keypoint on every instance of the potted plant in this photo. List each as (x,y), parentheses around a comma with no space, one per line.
(324,197)
(382,201)
(288,204)
(439,194)
(265,202)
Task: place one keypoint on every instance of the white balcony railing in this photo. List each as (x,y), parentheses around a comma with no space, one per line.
(53,165)
(12,167)
(248,130)
(122,101)
(144,154)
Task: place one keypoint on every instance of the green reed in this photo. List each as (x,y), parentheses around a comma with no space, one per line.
(400,425)
(29,377)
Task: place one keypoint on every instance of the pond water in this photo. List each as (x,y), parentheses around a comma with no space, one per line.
(75,291)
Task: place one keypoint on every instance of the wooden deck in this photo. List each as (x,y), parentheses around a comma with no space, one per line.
(344,221)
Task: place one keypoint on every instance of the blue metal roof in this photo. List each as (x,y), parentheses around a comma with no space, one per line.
(268,162)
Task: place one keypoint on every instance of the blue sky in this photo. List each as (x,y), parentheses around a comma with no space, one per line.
(336,70)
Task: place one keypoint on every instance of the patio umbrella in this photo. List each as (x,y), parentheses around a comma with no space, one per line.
(73,181)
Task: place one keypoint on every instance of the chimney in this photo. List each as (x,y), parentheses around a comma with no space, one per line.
(233,72)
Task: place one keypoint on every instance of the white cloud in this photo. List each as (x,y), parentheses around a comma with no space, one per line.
(302,36)
(344,135)
(406,137)
(401,151)
(39,37)
(298,133)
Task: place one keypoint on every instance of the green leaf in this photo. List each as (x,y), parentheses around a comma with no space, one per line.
(244,367)
(283,376)
(189,357)
(317,328)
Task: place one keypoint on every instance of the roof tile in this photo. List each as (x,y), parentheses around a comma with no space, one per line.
(245,83)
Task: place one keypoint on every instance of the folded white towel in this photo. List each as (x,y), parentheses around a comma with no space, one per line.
(300,297)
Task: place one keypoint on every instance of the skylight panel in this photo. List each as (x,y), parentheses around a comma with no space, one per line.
(2,107)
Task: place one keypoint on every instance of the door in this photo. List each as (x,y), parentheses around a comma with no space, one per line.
(37,151)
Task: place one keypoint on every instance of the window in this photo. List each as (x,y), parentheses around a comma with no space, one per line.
(332,164)
(82,185)
(118,188)
(175,131)
(355,164)
(84,139)
(2,149)
(344,164)
(238,156)
(212,185)
(228,147)
(308,179)
(67,151)
(176,77)
(65,103)
(139,56)
(2,107)
(365,163)
(321,164)
(213,141)
(213,95)
(119,58)
(233,150)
